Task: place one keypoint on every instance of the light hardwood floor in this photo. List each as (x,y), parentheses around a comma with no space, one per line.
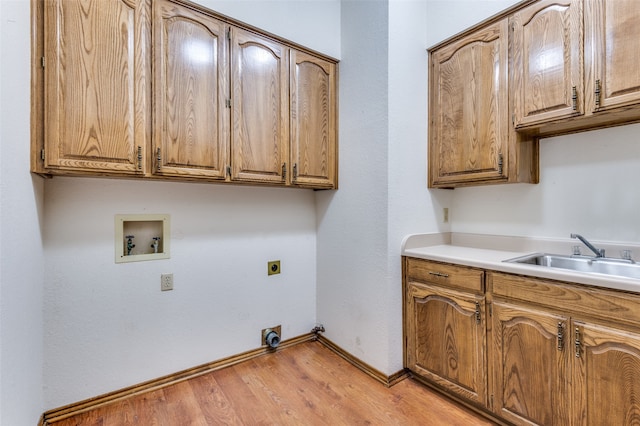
(306,384)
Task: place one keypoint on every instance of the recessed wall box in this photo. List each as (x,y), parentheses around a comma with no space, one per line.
(141,237)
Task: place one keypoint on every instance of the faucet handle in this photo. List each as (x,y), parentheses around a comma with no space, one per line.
(626,254)
(576,251)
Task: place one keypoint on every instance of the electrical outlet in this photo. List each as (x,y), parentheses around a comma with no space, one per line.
(273,267)
(166,282)
(445,214)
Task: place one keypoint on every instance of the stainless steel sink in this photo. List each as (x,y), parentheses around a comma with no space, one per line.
(600,265)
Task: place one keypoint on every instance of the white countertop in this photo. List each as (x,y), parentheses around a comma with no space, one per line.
(490,252)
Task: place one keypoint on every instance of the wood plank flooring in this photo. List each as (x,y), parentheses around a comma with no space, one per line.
(306,384)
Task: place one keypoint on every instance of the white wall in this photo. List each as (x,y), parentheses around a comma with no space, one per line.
(412,207)
(312,23)
(21,257)
(446,18)
(352,222)
(108,326)
(383,194)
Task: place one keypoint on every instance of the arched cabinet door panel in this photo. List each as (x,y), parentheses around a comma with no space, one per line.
(446,339)
(607,374)
(259,109)
(313,121)
(531,361)
(191,88)
(547,56)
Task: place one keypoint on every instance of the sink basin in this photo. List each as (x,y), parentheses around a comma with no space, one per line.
(604,265)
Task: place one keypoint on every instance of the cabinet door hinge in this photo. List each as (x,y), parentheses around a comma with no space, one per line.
(42,61)
(42,154)
(295,171)
(284,171)
(229,34)
(500,163)
(228,103)
(229,171)
(477,313)
(159,159)
(491,401)
(490,309)
(577,343)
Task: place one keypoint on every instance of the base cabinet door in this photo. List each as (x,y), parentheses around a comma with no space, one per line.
(607,375)
(530,365)
(446,339)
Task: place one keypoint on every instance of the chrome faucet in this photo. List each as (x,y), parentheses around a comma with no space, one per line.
(597,251)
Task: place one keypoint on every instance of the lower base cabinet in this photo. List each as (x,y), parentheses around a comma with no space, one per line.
(548,352)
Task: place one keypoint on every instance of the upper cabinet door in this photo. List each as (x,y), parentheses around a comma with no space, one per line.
(613,59)
(97,103)
(547,61)
(313,121)
(260,108)
(469,110)
(191,123)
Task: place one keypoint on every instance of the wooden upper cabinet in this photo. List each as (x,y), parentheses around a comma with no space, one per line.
(191,122)
(607,375)
(313,121)
(469,106)
(172,90)
(96,86)
(259,108)
(531,362)
(547,61)
(613,63)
